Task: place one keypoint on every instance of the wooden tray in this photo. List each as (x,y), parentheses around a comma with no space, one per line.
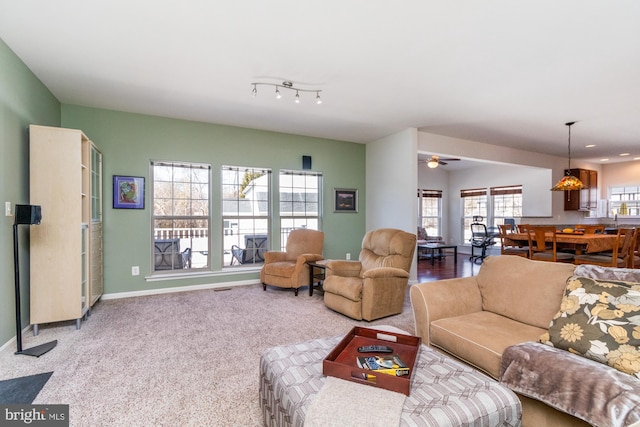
(342,361)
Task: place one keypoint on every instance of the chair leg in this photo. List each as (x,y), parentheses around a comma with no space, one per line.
(264,286)
(295,291)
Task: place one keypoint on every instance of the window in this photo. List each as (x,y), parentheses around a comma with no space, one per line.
(625,200)
(300,202)
(430,211)
(506,202)
(180,216)
(246,209)
(474,203)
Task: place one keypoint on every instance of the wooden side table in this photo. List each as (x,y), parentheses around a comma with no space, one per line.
(317,271)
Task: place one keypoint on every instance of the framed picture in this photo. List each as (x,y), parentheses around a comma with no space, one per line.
(345,200)
(128,192)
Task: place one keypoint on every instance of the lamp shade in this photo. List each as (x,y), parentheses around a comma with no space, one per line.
(568,183)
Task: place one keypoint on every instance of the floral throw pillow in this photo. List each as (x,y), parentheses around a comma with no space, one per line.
(599,320)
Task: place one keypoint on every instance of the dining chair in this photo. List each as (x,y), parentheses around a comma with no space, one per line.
(542,250)
(621,256)
(590,228)
(522,228)
(507,247)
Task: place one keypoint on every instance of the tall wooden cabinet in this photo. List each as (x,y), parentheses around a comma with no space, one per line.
(585,199)
(66,248)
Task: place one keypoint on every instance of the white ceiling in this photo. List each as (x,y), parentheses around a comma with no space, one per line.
(502,72)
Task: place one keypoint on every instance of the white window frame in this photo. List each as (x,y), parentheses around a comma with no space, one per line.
(304,210)
(426,201)
(246,212)
(627,194)
(474,202)
(506,202)
(181,219)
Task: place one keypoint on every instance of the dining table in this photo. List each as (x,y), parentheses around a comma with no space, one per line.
(583,243)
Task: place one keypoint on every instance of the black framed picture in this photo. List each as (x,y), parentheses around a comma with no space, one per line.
(345,200)
(128,192)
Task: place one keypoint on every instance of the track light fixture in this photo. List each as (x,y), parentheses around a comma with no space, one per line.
(286,85)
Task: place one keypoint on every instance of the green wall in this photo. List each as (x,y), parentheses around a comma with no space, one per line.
(128,143)
(23,100)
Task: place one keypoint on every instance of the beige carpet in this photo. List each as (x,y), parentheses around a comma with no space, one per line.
(183,359)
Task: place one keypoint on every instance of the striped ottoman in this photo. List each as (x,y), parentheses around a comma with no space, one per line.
(444,392)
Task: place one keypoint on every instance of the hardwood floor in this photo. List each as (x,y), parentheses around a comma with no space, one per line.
(446,269)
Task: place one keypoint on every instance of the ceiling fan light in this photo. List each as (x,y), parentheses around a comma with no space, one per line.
(432,164)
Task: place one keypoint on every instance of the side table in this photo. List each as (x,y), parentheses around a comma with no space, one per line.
(432,247)
(317,271)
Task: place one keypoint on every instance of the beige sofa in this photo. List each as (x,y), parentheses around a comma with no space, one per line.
(512,300)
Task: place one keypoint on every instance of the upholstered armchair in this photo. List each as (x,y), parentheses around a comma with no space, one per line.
(289,269)
(375,285)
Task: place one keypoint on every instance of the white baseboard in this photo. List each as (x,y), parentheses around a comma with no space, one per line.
(14,339)
(179,289)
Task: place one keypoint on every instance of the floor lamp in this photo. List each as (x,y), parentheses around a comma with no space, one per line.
(25,214)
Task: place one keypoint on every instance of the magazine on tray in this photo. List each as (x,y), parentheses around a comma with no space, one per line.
(391,365)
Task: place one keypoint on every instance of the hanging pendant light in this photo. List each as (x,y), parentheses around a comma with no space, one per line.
(568,182)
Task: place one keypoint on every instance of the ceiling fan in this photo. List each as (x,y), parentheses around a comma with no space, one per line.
(434,161)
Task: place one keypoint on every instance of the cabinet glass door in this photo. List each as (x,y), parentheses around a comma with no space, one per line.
(96,185)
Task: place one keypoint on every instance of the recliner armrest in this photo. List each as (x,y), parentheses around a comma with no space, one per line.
(274,256)
(380,272)
(304,258)
(343,268)
(443,299)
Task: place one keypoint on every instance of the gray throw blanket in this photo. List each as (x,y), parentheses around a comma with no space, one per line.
(591,391)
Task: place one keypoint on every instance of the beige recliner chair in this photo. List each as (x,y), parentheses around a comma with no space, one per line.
(289,269)
(374,286)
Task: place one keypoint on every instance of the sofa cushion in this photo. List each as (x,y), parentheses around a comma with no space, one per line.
(521,289)
(479,338)
(280,269)
(599,320)
(347,287)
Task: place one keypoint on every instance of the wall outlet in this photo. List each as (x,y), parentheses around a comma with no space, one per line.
(135,270)
(7,208)
(348,256)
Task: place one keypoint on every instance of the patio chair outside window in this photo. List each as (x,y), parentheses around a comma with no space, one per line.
(253,252)
(167,255)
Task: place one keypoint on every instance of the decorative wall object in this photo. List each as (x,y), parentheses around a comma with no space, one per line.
(345,200)
(128,192)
